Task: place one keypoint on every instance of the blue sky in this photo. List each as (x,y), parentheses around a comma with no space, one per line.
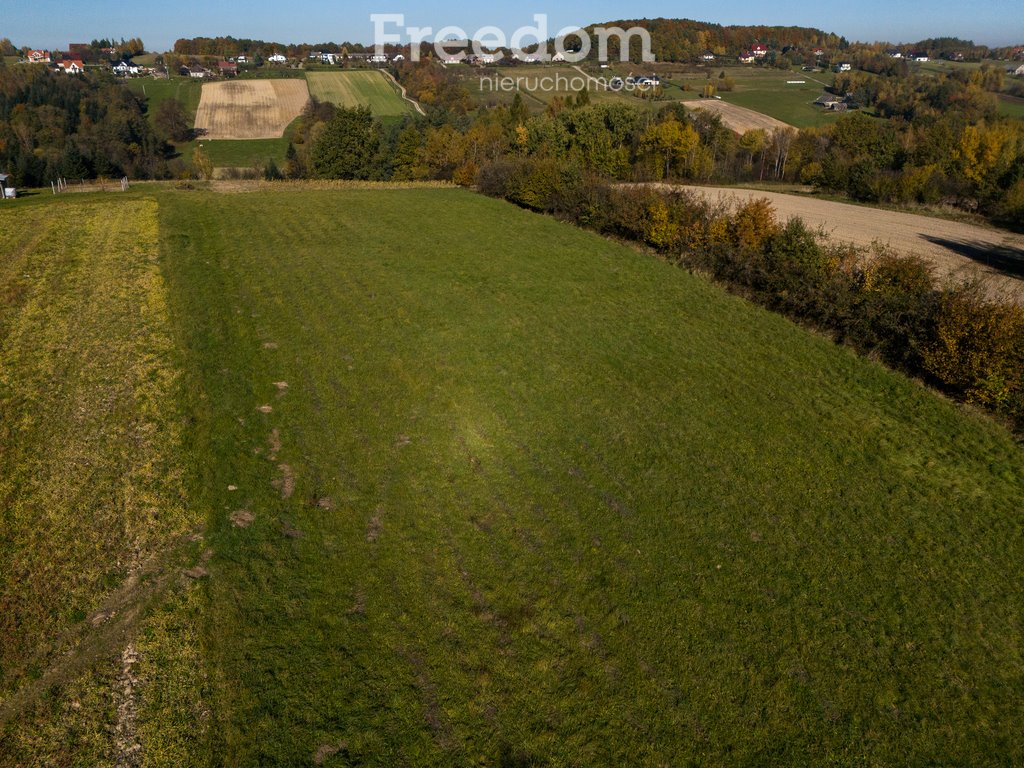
(55,23)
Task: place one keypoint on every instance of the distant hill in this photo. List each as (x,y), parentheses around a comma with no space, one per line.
(687,40)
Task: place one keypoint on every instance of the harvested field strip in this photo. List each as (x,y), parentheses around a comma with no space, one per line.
(738,119)
(250,109)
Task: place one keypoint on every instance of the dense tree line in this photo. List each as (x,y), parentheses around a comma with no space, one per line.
(685,40)
(945,144)
(81,127)
(231,46)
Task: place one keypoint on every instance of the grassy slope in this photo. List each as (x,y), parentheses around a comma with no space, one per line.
(250,152)
(185,90)
(91,464)
(768,91)
(356,88)
(555,499)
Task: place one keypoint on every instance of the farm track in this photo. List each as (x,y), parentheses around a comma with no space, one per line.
(250,109)
(958,251)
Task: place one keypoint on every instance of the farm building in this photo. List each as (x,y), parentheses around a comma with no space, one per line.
(1019,71)
(747,58)
(278,58)
(227,68)
(7,190)
(707,56)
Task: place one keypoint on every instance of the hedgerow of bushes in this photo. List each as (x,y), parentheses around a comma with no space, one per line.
(883,304)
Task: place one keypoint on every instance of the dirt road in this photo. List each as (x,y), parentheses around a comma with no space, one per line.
(957,250)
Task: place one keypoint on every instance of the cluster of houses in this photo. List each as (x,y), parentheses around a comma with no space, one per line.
(921,56)
(337,59)
(73,63)
(759,52)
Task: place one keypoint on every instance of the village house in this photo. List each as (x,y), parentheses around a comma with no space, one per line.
(747,58)
(39,57)
(278,58)
(707,56)
(759,50)
(71,67)
(843,67)
(920,56)
(1019,72)
(227,68)
(818,52)
(7,190)
(126,68)
(894,54)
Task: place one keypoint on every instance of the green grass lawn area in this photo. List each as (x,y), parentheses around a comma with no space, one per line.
(767,91)
(246,153)
(359,88)
(529,494)
(520,495)
(184,89)
(1011,106)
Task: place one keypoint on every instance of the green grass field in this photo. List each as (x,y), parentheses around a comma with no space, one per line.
(484,489)
(247,153)
(767,91)
(358,88)
(1011,106)
(185,90)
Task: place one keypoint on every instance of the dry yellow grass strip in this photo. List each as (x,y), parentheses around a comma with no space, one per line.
(91,482)
(250,109)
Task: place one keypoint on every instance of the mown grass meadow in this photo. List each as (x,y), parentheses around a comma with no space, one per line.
(484,489)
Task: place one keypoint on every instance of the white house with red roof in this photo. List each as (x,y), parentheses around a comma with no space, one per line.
(759,50)
(39,57)
(71,67)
